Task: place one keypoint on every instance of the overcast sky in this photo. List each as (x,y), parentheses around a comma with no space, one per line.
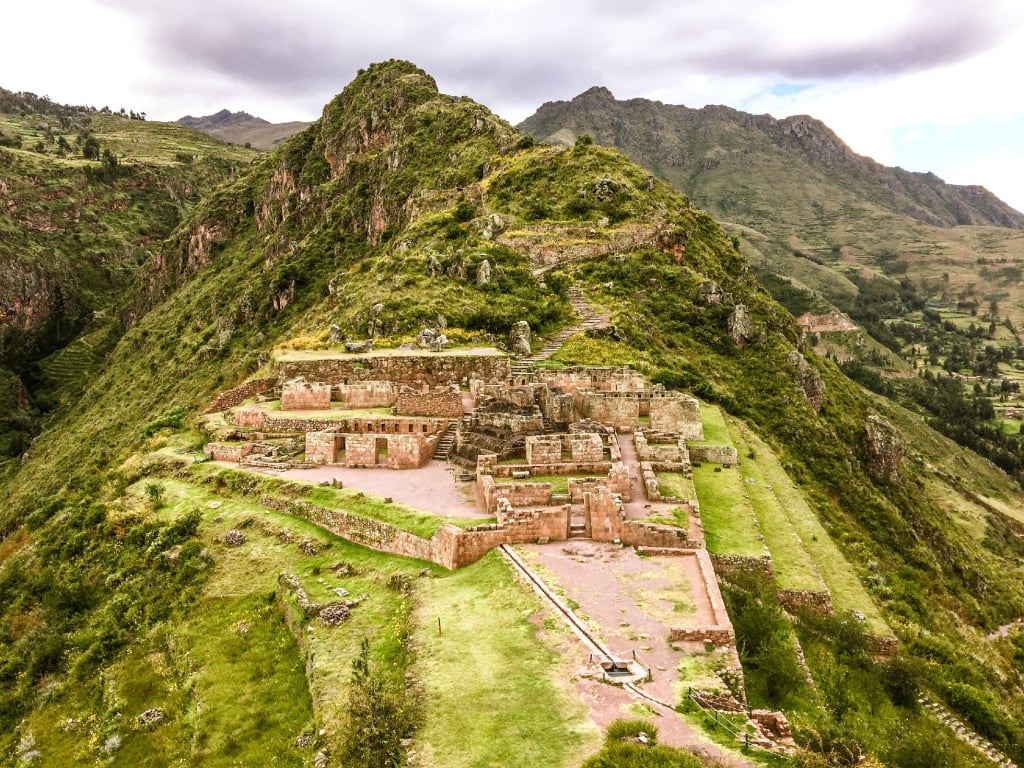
(930,86)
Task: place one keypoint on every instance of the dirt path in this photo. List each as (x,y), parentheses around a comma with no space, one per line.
(630,605)
(431,488)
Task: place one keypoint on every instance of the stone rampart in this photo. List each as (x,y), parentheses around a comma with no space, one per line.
(232,397)
(411,370)
(714,454)
(445,402)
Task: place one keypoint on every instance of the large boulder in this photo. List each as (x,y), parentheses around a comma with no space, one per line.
(519,338)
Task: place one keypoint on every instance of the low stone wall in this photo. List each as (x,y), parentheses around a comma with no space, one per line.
(717,636)
(714,454)
(883,645)
(441,403)
(411,370)
(794,599)
(396,451)
(720,631)
(565,468)
(232,397)
(726,565)
(518,494)
(551,524)
(652,538)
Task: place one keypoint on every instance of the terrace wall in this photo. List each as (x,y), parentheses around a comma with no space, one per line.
(366,394)
(241,393)
(411,370)
(714,454)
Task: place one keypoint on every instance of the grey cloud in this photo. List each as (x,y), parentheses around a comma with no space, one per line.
(506,56)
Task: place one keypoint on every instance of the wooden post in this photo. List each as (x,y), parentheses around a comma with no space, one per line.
(439,625)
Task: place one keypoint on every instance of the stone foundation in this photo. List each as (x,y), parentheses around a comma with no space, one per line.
(228,451)
(794,599)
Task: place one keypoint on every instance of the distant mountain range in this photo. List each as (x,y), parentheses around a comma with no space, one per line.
(243,128)
(731,162)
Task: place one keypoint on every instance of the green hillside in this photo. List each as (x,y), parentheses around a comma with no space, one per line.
(118,593)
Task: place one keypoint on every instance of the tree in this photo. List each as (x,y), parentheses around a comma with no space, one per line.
(381,716)
(91,148)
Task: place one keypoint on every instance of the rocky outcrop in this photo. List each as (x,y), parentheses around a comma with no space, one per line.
(808,378)
(741,328)
(885,448)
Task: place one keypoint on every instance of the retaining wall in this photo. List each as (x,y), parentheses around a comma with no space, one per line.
(411,370)
(232,397)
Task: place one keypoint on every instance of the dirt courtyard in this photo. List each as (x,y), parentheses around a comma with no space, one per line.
(630,604)
(431,488)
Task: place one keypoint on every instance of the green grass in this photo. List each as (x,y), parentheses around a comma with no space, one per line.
(715,430)
(676,516)
(676,485)
(729,524)
(493,690)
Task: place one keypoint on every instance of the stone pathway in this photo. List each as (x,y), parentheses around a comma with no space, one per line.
(964,732)
(589,318)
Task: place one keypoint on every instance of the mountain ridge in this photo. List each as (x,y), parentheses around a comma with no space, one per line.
(243,128)
(683,156)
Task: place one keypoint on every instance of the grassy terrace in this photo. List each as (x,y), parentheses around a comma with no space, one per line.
(676,485)
(725,509)
(347,500)
(715,430)
(492,696)
(784,512)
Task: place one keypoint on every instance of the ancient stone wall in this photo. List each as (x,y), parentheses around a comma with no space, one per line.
(227,451)
(248,417)
(620,411)
(366,394)
(515,423)
(241,393)
(678,413)
(565,468)
(651,536)
(662,449)
(522,395)
(726,565)
(544,449)
(604,514)
(719,631)
(586,447)
(362,451)
(550,524)
(302,395)
(323,447)
(411,370)
(519,495)
(714,454)
(557,406)
(614,379)
(444,402)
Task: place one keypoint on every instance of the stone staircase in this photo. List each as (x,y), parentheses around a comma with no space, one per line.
(578,530)
(589,319)
(446,443)
(964,732)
